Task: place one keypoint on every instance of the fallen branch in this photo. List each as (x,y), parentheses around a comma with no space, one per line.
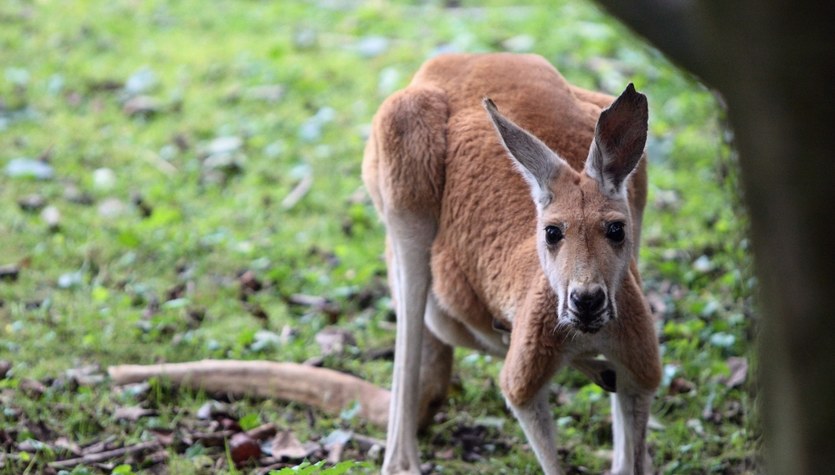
(325,389)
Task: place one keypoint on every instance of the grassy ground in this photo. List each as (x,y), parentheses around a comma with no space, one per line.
(167,136)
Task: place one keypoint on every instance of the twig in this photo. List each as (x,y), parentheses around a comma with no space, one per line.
(315,302)
(106,455)
(297,193)
(263,432)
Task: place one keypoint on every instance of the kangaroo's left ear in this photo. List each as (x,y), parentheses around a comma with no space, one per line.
(537,163)
(619,140)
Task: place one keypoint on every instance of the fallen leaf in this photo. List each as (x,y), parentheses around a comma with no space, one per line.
(145,106)
(5,367)
(111,208)
(132,413)
(74,195)
(446,454)
(334,340)
(318,303)
(249,283)
(32,388)
(213,409)
(286,446)
(680,386)
(165,437)
(738,371)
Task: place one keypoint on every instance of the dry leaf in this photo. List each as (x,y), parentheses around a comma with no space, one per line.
(739,371)
(287,446)
(132,413)
(334,340)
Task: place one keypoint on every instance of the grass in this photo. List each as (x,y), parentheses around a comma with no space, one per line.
(174,130)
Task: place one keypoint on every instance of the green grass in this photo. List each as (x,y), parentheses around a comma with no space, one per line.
(87,289)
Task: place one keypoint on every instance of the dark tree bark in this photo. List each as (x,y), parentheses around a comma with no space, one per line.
(774,63)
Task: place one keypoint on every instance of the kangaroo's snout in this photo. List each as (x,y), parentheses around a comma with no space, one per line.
(588,302)
(588,306)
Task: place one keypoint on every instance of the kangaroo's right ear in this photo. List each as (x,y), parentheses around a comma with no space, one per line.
(619,140)
(534,160)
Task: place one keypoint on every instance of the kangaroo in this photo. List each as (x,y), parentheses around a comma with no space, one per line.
(531,229)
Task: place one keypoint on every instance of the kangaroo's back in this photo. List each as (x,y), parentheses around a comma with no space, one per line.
(532,92)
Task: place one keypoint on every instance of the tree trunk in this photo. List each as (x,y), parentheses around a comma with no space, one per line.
(774,63)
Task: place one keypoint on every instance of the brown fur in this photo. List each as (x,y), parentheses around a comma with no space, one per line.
(433,154)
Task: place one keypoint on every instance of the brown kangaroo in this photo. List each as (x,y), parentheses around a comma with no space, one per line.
(542,244)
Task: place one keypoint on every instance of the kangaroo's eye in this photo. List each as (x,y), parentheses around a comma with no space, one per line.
(615,232)
(553,235)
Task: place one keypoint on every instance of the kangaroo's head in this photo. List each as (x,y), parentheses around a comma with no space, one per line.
(584,227)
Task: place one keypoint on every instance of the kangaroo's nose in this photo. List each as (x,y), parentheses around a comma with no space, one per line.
(588,302)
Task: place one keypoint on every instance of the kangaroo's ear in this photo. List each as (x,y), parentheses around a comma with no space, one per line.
(619,140)
(534,160)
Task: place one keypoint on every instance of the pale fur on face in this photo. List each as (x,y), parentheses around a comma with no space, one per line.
(583,204)
(585,257)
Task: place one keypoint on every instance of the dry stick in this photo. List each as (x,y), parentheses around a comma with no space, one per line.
(325,389)
(297,193)
(107,455)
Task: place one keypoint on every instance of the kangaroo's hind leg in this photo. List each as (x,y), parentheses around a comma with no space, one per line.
(403,171)
(435,370)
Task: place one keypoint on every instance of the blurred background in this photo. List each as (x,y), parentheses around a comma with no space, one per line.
(180,180)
